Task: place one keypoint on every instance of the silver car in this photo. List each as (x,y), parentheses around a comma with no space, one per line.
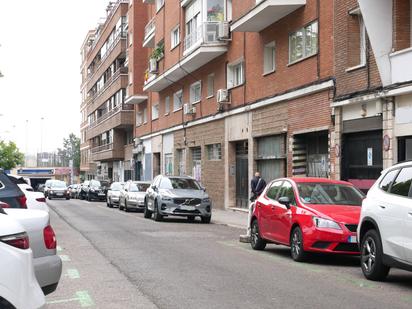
(133,194)
(177,196)
(113,194)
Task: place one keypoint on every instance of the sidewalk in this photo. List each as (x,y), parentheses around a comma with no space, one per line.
(231,217)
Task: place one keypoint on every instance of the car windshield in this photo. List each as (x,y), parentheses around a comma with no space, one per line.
(95,183)
(104,183)
(139,187)
(116,186)
(329,194)
(58,184)
(179,183)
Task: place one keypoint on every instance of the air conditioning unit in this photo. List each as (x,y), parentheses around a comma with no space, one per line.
(152,65)
(224,31)
(223,96)
(188,109)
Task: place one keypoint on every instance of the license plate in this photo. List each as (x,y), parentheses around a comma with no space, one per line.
(352,239)
(59,194)
(101,194)
(189,208)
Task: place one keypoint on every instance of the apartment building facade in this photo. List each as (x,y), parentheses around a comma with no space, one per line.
(234,87)
(107,118)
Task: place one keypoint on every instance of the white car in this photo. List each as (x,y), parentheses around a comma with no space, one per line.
(35,200)
(386,223)
(18,284)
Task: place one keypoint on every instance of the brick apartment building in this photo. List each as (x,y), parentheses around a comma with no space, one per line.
(107,119)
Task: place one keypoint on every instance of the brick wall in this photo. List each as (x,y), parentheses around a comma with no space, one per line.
(401,24)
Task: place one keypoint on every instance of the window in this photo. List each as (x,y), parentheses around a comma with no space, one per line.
(167,105)
(145,115)
(210,85)
(181,160)
(175,37)
(177,100)
(356,40)
(159,4)
(214,152)
(139,119)
(235,74)
(215,10)
(287,191)
(196,163)
(155,111)
(388,180)
(303,43)
(195,92)
(168,164)
(192,19)
(402,184)
(269,58)
(273,191)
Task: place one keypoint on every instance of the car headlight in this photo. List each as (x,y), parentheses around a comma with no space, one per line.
(51,192)
(325,223)
(206,200)
(92,190)
(166,198)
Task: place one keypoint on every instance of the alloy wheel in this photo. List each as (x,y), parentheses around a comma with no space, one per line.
(369,254)
(254,235)
(296,243)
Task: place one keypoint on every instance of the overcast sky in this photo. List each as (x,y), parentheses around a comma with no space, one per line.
(40,60)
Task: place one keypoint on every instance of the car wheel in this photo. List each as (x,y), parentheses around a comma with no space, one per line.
(206,220)
(156,215)
(296,245)
(67,198)
(49,197)
(372,257)
(146,213)
(191,218)
(256,241)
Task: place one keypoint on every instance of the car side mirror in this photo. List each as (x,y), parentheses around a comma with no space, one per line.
(284,200)
(125,190)
(154,188)
(203,188)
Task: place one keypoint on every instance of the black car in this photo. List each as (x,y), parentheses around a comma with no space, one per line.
(10,193)
(92,190)
(58,189)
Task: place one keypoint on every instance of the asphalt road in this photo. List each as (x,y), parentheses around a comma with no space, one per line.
(125,261)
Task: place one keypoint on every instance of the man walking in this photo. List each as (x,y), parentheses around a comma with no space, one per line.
(257,186)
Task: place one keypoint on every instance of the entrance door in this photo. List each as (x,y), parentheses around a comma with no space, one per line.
(156,164)
(242,179)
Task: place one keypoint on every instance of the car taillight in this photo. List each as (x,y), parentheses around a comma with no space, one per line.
(20,240)
(22,201)
(49,237)
(41,199)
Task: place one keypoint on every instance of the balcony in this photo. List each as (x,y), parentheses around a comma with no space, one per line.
(149,34)
(265,13)
(401,60)
(107,152)
(120,117)
(200,47)
(88,167)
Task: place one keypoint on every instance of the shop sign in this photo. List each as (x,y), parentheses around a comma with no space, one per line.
(370,156)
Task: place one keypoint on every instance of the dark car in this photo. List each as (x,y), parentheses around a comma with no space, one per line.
(92,190)
(58,189)
(10,193)
(105,186)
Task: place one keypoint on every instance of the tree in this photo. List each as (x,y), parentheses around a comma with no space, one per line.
(70,151)
(10,156)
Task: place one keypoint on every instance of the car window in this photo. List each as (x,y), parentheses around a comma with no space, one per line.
(58,184)
(95,183)
(329,194)
(402,184)
(143,186)
(116,186)
(287,191)
(156,181)
(179,183)
(273,191)
(388,180)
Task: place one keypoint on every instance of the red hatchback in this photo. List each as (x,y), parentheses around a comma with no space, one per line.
(307,214)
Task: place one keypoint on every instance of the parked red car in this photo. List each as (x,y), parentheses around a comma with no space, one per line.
(307,214)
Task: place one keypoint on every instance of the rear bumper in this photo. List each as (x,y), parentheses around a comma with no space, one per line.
(48,270)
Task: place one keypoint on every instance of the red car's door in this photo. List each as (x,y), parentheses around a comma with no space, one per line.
(282,216)
(266,206)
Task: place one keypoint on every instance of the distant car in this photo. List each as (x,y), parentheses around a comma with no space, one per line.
(10,194)
(113,194)
(133,194)
(18,285)
(386,223)
(308,215)
(47,264)
(58,189)
(92,190)
(47,186)
(177,196)
(73,190)
(35,200)
(105,186)
(40,187)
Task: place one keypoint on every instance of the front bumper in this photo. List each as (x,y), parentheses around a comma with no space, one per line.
(97,196)
(48,270)
(169,208)
(138,204)
(331,241)
(115,200)
(58,194)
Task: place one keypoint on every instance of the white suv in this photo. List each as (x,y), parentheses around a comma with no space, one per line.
(386,223)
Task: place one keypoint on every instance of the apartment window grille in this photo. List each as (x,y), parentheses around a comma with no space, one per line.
(304,42)
(167,105)
(155,111)
(196,92)
(175,37)
(269,58)
(177,100)
(214,152)
(210,85)
(235,74)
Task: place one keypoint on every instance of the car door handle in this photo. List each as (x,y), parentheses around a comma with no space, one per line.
(382,206)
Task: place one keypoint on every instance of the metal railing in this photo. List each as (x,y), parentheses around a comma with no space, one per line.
(104,147)
(207,32)
(106,115)
(149,28)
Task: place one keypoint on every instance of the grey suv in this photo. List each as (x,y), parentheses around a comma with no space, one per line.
(177,196)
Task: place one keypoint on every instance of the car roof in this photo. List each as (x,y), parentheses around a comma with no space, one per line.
(398,165)
(173,176)
(318,180)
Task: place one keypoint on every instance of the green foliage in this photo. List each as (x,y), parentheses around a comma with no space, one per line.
(70,151)
(158,52)
(10,156)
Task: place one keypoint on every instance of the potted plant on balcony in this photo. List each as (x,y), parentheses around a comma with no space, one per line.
(158,52)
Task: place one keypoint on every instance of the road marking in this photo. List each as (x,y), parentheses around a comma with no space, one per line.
(82,297)
(73,273)
(64,258)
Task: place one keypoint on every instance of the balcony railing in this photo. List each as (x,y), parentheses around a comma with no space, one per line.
(206,33)
(117,109)
(149,29)
(104,147)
